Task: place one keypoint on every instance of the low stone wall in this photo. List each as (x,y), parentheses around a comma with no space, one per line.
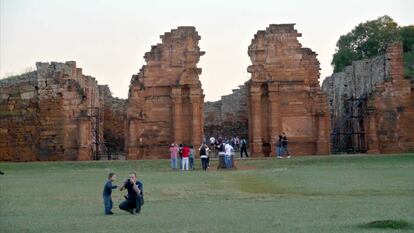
(227,117)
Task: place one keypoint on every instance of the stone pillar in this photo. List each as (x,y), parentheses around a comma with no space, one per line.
(176,118)
(84,139)
(255,116)
(274,120)
(322,143)
(132,143)
(196,124)
(372,137)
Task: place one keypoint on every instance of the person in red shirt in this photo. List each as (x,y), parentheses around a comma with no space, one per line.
(186,153)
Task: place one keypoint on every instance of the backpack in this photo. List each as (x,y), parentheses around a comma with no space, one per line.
(203,151)
(243,143)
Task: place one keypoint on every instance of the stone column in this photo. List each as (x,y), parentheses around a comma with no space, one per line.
(132,143)
(274,120)
(322,142)
(196,124)
(177,113)
(372,137)
(255,115)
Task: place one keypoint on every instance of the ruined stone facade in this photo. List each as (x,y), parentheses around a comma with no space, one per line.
(165,102)
(284,94)
(372,100)
(227,117)
(47,114)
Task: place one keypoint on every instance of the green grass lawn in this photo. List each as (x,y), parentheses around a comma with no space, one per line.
(301,194)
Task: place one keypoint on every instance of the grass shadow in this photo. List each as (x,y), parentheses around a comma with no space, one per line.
(387,224)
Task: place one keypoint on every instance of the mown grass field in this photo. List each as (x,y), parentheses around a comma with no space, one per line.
(301,194)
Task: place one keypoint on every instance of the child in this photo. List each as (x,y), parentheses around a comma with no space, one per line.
(191,157)
(107,193)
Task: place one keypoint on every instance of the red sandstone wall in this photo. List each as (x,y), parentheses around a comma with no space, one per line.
(19,116)
(392,106)
(284,94)
(48,117)
(165,103)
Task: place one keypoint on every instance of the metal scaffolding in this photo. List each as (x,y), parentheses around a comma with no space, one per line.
(95,114)
(348,135)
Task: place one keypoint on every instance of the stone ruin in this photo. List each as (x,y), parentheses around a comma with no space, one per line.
(372,105)
(227,117)
(284,94)
(165,101)
(57,113)
(53,113)
(45,114)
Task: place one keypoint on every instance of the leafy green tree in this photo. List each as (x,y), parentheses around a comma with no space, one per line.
(407,37)
(366,40)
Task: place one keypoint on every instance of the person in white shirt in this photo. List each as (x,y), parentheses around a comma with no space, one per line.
(212,141)
(228,152)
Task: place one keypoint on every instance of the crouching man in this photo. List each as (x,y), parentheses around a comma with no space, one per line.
(135,198)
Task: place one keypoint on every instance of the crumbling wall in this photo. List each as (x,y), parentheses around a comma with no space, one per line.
(284,94)
(389,113)
(50,114)
(19,116)
(165,102)
(227,117)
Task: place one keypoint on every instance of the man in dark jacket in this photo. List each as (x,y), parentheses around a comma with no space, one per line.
(285,146)
(135,198)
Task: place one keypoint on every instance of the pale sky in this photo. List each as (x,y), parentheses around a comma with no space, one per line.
(108,38)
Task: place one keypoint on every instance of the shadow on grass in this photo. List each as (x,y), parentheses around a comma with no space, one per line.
(387,224)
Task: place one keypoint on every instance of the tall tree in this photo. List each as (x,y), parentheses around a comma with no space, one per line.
(366,40)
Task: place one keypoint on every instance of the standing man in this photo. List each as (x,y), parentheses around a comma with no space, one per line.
(285,145)
(279,149)
(228,151)
(237,143)
(243,147)
(180,155)
(135,198)
(173,156)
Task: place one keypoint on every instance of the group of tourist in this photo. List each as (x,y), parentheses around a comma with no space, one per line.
(183,155)
(223,148)
(133,200)
(236,143)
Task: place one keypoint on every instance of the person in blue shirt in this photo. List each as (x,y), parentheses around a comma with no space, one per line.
(135,198)
(107,191)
